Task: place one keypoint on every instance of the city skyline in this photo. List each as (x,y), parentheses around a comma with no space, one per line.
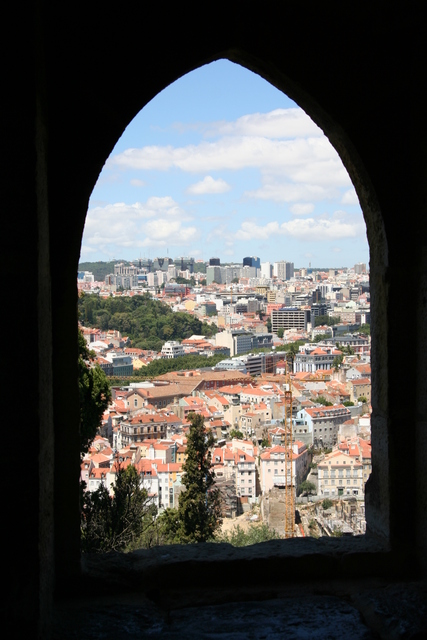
(236,262)
(221,163)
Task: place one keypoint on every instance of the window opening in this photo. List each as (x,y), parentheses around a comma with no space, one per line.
(229,180)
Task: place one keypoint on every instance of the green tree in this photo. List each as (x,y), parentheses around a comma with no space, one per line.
(118,522)
(280,332)
(94,394)
(328,320)
(337,362)
(322,400)
(306,487)
(268,324)
(327,504)
(347,350)
(362,399)
(255,533)
(235,433)
(337,532)
(198,516)
(364,329)
(321,337)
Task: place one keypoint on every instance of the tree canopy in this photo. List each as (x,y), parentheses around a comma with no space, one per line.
(329,320)
(322,400)
(147,322)
(306,487)
(94,394)
(117,522)
(255,534)
(198,516)
(364,329)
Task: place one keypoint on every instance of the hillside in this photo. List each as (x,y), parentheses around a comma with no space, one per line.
(147,322)
(99,269)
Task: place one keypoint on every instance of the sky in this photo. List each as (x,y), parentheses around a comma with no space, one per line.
(222,164)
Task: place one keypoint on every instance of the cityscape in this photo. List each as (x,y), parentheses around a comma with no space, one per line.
(280,373)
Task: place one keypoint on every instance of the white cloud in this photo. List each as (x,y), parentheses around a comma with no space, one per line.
(137,183)
(209,185)
(350,197)
(218,231)
(288,192)
(87,251)
(299,159)
(335,227)
(320,229)
(162,230)
(301,209)
(250,231)
(157,222)
(280,123)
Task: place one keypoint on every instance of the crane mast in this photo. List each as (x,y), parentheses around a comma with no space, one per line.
(289,485)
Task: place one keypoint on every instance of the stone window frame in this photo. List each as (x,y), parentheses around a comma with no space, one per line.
(381,527)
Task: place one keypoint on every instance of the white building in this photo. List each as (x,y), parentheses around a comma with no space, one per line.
(245,475)
(340,474)
(323,423)
(273,466)
(311,359)
(172,349)
(237,341)
(283,270)
(152,280)
(266,270)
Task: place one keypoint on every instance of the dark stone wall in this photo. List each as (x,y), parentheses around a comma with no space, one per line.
(75,76)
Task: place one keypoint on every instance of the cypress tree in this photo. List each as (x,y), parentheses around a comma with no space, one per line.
(198,517)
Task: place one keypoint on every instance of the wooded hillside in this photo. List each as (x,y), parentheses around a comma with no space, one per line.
(147,322)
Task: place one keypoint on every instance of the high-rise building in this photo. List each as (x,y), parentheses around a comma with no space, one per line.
(161,264)
(290,318)
(183,263)
(252,261)
(266,270)
(360,267)
(248,272)
(120,269)
(213,274)
(214,262)
(283,270)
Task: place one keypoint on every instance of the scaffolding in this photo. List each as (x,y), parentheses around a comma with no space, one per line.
(289,525)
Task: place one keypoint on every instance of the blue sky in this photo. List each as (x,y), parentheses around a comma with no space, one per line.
(222,164)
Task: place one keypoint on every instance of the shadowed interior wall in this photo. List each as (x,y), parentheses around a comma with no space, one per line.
(75,76)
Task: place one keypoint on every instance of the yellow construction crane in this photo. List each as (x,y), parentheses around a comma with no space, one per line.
(289,486)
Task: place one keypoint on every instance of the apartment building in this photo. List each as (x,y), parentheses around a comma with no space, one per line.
(290,318)
(323,423)
(340,474)
(172,349)
(273,466)
(310,359)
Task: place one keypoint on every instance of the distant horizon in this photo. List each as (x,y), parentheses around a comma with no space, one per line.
(132,261)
